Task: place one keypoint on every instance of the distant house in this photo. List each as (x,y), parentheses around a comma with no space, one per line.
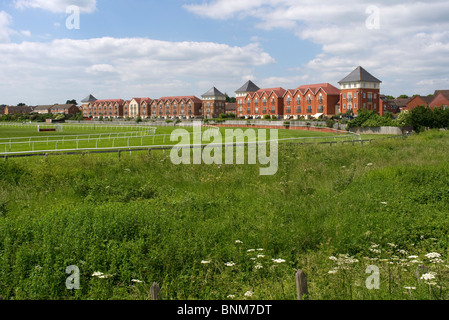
(18,110)
(231,107)
(110,108)
(2,109)
(389,105)
(44,109)
(401,103)
(418,101)
(69,109)
(441,99)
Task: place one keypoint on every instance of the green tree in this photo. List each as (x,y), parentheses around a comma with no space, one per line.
(422,117)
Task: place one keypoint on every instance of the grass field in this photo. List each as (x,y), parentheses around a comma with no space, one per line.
(19,139)
(225,232)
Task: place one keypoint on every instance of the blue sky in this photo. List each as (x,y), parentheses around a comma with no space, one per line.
(125,49)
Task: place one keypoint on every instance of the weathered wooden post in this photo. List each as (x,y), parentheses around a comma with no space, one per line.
(155,292)
(301,285)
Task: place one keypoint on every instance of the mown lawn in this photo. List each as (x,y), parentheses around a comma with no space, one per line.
(224,231)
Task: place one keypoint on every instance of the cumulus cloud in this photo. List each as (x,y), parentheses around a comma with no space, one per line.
(115,68)
(57,6)
(409,44)
(5,22)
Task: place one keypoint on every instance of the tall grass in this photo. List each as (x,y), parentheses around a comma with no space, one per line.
(224,232)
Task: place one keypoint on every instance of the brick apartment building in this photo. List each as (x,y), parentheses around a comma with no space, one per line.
(185,107)
(109,108)
(360,90)
(309,101)
(213,103)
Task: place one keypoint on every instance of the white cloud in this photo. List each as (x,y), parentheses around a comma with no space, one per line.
(411,43)
(57,6)
(5,22)
(48,72)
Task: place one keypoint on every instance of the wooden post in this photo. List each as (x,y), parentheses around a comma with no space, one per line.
(301,285)
(155,292)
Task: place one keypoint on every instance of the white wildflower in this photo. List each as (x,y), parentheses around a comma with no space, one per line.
(238,241)
(248,293)
(231,296)
(205,262)
(433,255)
(410,288)
(230,264)
(258,266)
(278,260)
(97,274)
(428,276)
(136,281)
(260,256)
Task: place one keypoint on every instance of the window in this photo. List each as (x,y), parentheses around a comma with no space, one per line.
(289,100)
(289,110)
(273,101)
(264,101)
(273,110)
(320,109)
(256,110)
(298,109)
(265,110)
(309,109)
(298,100)
(248,110)
(256,102)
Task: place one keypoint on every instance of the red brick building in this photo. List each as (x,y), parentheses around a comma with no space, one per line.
(440,100)
(360,90)
(182,107)
(263,102)
(241,93)
(311,101)
(213,104)
(417,101)
(111,108)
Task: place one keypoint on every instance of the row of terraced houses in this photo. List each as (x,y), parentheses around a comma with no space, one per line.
(357,90)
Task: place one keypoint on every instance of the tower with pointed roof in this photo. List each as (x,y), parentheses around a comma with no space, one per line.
(214,103)
(360,90)
(241,93)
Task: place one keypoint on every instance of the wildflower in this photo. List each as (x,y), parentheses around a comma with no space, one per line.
(333,258)
(97,274)
(260,256)
(410,288)
(250,250)
(136,281)
(369,164)
(238,241)
(248,293)
(278,260)
(433,255)
(428,276)
(413,257)
(230,264)
(105,276)
(333,271)
(38,267)
(258,266)
(205,262)
(260,249)
(231,296)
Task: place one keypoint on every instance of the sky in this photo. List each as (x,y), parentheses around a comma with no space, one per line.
(52,51)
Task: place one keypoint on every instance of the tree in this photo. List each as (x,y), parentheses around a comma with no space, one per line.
(21,104)
(72,102)
(421,117)
(389,97)
(230,99)
(403,96)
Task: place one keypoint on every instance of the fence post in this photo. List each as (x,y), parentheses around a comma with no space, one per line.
(301,285)
(155,292)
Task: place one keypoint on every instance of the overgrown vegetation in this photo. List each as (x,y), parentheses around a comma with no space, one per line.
(224,231)
(420,118)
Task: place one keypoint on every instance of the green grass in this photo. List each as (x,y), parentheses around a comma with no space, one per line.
(141,217)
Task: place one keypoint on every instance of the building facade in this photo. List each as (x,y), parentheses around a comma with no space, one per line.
(311,101)
(110,108)
(182,107)
(360,90)
(213,103)
(440,100)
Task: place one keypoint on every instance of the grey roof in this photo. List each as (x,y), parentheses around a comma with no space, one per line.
(248,87)
(360,74)
(443,92)
(90,98)
(214,92)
